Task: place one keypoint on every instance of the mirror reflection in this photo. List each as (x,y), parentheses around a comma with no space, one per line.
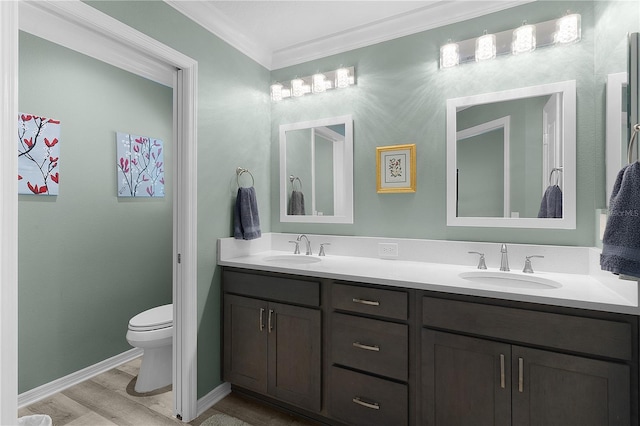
(509,158)
(316,171)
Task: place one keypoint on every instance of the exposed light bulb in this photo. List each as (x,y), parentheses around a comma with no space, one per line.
(342,78)
(319,83)
(449,55)
(568,29)
(276,92)
(524,39)
(485,47)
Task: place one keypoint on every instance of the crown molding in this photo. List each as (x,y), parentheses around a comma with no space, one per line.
(209,17)
(431,16)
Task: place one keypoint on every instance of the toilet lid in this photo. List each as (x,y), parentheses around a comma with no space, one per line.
(153,319)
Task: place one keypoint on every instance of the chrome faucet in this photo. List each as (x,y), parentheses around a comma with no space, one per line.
(308,253)
(504,261)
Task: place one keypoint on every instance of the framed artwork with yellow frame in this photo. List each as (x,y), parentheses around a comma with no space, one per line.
(396,168)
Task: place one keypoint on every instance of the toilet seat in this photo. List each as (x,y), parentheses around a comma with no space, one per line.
(153,319)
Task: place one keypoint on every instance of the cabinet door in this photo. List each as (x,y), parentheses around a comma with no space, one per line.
(551,389)
(245,342)
(295,355)
(465,381)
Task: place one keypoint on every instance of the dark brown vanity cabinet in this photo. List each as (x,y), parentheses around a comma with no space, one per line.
(369,356)
(496,381)
(271,347)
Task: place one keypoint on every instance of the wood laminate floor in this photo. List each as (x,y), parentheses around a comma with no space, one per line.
(110,399)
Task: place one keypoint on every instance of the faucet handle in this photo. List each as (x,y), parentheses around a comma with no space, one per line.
(527,264)
(321,253)
(297,249)
(481,262)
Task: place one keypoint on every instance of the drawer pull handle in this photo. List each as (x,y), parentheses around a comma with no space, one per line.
(372,405)
(520,374)
(366,302)
(502,384)
(261,319)
(366,347)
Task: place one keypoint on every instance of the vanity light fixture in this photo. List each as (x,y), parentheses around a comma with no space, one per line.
(298,87)
(449,55)
(485,47)
(568,29)
(526,38)
(319,82)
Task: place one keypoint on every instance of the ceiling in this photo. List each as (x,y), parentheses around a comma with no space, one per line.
(278,34)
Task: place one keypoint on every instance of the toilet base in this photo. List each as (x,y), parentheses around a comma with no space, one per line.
(156,369)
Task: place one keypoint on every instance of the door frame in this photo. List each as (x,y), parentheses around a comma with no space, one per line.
(80,27)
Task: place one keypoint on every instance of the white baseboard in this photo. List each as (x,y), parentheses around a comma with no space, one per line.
(213,397)
(58,385)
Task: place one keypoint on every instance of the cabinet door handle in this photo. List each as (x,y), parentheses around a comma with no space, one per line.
(372,405)
(502,384)
(270,324)
(261,319)
(366,347)
(520,375)
(366,302)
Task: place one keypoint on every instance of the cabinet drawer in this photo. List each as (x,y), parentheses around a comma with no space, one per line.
(358,399)
(375,346)
(373,301)
(272,288)
(579,334)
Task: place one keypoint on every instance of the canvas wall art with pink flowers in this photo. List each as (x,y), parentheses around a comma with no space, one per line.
(38,155)
(140,165)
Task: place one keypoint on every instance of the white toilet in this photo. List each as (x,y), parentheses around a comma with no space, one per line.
(152,331)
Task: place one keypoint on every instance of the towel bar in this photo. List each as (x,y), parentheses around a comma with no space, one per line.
(634,133)
(240,171)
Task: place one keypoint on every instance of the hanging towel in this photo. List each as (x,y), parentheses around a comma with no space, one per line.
(246,223)
(296,203)
(621,242)
(551,204)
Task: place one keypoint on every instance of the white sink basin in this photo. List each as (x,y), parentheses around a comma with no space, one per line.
(292,259)
(510,279)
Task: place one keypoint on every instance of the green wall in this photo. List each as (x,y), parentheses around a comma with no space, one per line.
(233,130)
(400,98)
(88,260)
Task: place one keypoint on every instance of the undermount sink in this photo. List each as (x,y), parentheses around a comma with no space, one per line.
(510,279)
(297,259)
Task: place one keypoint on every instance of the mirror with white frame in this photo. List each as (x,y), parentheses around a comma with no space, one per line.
(617,126)
(505,150)
(316,171)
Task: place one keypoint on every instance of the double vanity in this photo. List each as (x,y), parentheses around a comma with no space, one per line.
(410,332)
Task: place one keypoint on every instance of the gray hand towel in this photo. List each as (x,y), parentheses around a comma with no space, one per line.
(246,223)
(621,242)
(296,203)
(551,204)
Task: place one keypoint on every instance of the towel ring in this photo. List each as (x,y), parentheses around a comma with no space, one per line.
(239,172)
(555,169)
(293,180)
(635,129)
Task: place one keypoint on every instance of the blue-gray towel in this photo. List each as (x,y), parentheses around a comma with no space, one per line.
(246,223)
(621,242)
(551,204)
(296,203)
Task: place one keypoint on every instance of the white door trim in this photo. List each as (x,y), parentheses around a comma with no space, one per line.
(80,27)
(8,213)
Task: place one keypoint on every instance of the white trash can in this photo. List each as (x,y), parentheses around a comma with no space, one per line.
(35,420)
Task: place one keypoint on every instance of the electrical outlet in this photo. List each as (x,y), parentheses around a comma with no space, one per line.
(387,250)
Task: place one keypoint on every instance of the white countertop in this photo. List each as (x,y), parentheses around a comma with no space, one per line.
(603,292)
